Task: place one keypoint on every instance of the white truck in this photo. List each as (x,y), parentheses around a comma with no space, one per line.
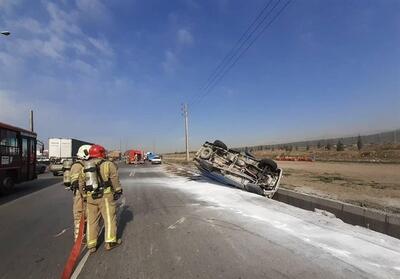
(61,149)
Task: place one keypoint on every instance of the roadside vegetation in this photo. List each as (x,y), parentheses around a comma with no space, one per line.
(373,153)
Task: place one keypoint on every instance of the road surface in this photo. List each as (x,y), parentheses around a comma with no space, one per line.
(174,227)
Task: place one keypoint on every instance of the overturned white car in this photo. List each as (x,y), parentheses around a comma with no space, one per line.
(238,169)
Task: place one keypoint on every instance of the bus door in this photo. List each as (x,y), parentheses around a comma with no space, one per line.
(32,158)
(24,158)
(28,153)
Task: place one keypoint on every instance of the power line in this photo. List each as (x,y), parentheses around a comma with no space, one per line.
(227,69)
(232,51)
(235,49)
(248,37)
(222,73)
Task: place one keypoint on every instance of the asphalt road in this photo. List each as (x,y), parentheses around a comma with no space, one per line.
(170,232)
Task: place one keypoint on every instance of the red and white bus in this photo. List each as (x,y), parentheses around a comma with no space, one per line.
(17,156)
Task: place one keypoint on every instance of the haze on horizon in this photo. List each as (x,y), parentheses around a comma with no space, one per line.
(117,73)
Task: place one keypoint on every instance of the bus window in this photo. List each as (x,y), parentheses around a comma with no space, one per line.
(24,149)
(8,143)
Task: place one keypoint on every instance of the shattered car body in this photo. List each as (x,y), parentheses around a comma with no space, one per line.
(238,169)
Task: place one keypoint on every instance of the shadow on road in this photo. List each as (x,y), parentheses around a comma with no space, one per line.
(205,179)
(126,217)
(29,187)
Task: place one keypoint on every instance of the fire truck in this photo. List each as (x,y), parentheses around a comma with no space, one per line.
(17,156)
(134,157)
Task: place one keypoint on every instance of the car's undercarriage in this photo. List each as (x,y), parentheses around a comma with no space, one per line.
(238,169)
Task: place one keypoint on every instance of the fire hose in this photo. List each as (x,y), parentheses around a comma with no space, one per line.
(75,251)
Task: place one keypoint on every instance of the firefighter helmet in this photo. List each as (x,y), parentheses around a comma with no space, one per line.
(83,152)
(97,151)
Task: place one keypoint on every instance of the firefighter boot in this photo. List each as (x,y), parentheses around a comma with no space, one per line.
(111,245)
(92,250)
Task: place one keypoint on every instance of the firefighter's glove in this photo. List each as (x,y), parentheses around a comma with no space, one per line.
(117,194)
(74,186)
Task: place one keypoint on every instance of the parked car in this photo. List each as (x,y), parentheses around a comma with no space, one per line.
(40,168)
(238,169)
(56,167)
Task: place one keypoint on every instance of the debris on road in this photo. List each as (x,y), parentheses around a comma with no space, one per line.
(238,169)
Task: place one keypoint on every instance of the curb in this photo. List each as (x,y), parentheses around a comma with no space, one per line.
(375,220)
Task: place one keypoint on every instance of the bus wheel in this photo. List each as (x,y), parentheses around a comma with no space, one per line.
(7,184)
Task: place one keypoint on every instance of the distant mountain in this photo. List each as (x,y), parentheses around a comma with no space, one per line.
(379,138)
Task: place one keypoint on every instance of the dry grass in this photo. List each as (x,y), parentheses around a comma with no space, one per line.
(389,153)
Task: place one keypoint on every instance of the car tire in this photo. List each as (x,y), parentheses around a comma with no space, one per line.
(205,153)
(220,144)
(248,154)
(253,188)
(55,173)
(271,164)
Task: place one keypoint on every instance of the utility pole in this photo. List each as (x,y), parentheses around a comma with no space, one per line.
(185,116)
(31,121)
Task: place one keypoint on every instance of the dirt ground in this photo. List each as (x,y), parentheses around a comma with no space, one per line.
(370,185)
(364,184)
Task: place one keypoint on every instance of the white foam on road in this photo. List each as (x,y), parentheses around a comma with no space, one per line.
(372,252)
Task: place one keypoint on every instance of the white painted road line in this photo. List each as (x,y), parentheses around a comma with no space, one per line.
(79,268)
(180,221)
(60,233)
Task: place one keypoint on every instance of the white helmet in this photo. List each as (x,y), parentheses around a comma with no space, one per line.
(83,152)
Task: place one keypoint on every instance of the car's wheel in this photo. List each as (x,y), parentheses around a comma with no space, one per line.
(253,188)
(249,154)
(42,170)
(205,153)
(271,164)
(220,144)
(7,184)
(55,173)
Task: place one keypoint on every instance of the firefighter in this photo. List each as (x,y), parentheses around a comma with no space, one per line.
(102,188)
(72,173)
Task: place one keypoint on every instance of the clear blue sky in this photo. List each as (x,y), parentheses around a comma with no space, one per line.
(119,70)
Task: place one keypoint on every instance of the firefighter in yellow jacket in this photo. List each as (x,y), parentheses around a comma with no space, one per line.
(102,188)
(72,173)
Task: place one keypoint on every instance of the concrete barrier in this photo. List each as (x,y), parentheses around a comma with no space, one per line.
(356,215)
